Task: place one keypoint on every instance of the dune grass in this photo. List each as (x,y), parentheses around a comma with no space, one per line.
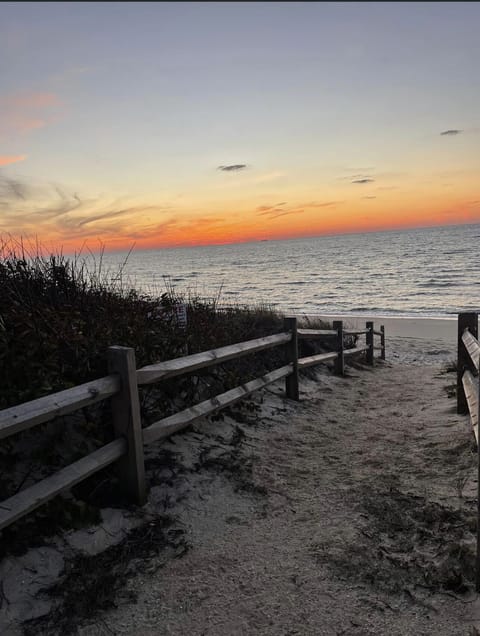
(57,319)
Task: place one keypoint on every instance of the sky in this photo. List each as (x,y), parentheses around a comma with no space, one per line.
(173,124)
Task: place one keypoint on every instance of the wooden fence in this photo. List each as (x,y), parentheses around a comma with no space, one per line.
(468,384)
(121,386)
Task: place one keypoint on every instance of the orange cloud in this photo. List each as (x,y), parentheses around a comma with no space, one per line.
(5,160)
(68,220)
(22,112)
(31,100)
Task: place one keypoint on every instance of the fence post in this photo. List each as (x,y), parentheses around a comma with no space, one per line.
(127,423)
(339,365)
(369,339)
(291,381)
(465,320)
(382,342)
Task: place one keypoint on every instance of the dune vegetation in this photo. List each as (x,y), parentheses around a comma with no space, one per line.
(57,319)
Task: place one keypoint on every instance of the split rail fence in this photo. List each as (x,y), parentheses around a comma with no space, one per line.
(468,402)
(121,387)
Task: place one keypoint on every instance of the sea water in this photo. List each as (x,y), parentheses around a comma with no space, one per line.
(421,272)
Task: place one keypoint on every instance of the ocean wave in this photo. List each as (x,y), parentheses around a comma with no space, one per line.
(294,282)
(420,272)
(436,283)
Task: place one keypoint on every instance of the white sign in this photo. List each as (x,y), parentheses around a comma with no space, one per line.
(181,315)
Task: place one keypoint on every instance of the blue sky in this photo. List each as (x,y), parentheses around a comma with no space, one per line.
(142,102)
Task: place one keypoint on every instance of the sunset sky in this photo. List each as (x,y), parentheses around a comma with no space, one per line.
(165,124)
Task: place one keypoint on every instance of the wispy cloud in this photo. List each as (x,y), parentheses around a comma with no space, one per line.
(6,160)
(278,209)
(11,190)
(265,208)
(21,113)
(369,176)
(353,178)
(234,167)
(173,224)
(316,204)
(26,208)
(287,212)
(276,212)
(363,180)
(370,197)
(451,132)
(273,212)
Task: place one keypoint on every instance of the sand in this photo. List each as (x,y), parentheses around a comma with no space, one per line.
(412,340)
(349,512)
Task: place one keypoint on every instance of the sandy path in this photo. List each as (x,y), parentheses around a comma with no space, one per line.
(369,487)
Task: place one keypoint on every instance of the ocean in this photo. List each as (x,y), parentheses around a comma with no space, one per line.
(423,272)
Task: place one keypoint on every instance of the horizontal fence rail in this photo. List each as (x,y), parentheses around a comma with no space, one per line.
(169,425)
(353,352)
(472,346)
(312,334)
(30,498)
(468,362)
(20,418)
(310,361)
(470,386)
(356,332)
(121,388)
(468,396)
(178,366)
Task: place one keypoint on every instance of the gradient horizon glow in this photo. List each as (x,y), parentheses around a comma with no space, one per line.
(177,124)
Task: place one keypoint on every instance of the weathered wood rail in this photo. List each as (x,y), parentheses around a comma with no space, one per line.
(121,387)
(468,363)
(468,393)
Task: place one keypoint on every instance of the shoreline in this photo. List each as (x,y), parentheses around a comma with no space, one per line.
(419,328)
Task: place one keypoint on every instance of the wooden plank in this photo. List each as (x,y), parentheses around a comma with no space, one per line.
(27,500)
(382,342)
(352,352)
(358,332)
(303,363)
(19,418)
(177,366)
(127,423)
(472,346)
(466,320)
(470,385)
(377,333)
(315,333)
(174,423)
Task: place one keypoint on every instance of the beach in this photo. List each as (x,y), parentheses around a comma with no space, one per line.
(192,196)
(421,340)
(351,511)
(421,328)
